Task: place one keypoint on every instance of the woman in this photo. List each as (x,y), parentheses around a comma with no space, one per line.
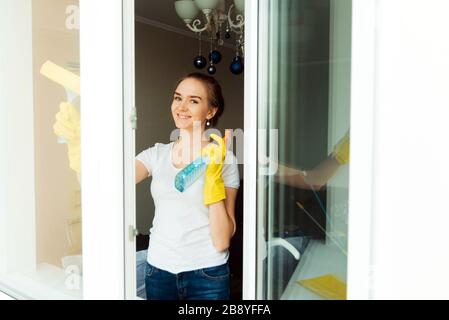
(189,241)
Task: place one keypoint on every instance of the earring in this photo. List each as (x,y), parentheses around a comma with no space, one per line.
(208,123)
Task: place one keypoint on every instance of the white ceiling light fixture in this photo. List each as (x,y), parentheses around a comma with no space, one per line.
(240,5)
(217,22)
(186,10)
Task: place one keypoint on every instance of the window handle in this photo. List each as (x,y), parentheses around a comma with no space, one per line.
(287,245)
(133,118)
(133,232)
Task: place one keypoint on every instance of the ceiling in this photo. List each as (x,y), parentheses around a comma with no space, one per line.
(163,12)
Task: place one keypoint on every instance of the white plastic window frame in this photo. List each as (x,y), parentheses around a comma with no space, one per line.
(362,146)
(18,93)
(101,61)
(250,243)
(3,296)
(129,108)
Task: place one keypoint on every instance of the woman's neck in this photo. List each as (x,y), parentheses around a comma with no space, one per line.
(190,143)
(190,138)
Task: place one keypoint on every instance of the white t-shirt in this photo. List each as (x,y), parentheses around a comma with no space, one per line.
(180,238)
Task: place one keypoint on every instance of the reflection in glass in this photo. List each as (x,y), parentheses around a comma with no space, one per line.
(304,98)
(41,251)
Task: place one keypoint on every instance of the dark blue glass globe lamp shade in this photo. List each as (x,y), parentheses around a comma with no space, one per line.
(211,69)
(199,62)
(215,56)
(236,66)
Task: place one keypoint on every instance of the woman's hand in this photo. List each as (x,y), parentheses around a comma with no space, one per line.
(68,126)
(341,150)
(221,213)
(214,189)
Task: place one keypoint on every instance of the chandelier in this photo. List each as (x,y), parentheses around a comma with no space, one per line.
(215,22)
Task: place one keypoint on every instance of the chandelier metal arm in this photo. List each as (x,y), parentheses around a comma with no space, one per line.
(197,22)
(237,27)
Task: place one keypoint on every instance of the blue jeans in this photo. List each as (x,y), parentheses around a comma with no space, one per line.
(202,284)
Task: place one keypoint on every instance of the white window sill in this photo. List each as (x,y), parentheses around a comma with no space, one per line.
(4,297)
(47,283)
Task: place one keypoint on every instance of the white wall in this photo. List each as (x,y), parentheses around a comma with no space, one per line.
(411,155)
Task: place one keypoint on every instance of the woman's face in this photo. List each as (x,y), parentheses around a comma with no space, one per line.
(191,104)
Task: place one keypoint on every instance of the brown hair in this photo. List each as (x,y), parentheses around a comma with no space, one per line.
(214,94)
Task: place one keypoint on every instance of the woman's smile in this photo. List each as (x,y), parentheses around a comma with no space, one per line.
(183,117)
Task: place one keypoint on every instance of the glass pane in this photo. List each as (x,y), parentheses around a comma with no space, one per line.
(303,120)
(40,198)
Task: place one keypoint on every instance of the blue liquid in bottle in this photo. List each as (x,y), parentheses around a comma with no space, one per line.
(187,176)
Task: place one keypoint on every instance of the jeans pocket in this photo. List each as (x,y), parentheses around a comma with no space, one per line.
(216,273)
(149,270)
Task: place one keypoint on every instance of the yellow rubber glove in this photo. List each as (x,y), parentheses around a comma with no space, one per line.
(341,150)
(68,126)
(214,189)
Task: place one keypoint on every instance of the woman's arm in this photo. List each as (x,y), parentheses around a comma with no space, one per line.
(141,172)
(321,174)
(316,178)
(222,220)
